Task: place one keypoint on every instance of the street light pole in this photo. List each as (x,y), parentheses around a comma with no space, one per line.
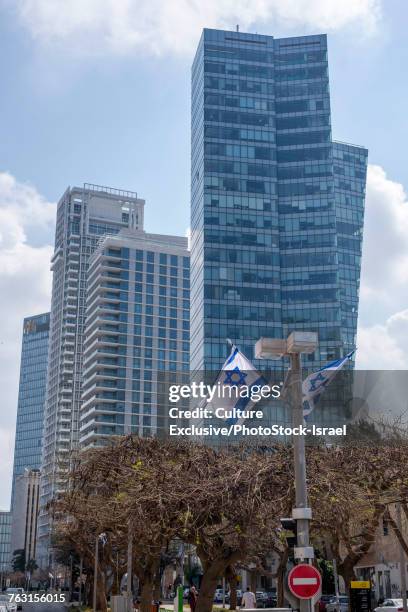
(299,455)
(402,562)
(80,582)
(299,460)
(273,348)
(95,590)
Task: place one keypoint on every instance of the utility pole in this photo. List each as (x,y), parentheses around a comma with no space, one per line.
(402,561)
(71,589)
(129,581)
(80,581)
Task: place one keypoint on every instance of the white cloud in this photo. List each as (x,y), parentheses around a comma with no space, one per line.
(378,349)
(383,331)
(385,249)
(25,284)
(173,26)
(25,288)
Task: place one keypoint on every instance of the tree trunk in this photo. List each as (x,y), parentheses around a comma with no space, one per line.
(101,603)
(233,583)
(208,586)
(115,589)
(346,570)
(88,592)
(157,587)
(280,578)
(253,580)
(117,579)
(346,566)
(397,531)
(146,596)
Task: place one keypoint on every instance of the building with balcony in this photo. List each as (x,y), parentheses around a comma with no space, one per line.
(136,335)
(84,214)
(25,513)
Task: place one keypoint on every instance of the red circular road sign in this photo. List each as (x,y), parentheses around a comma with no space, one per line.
(304,581)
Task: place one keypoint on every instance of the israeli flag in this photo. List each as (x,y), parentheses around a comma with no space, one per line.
(237,371)
(314,385)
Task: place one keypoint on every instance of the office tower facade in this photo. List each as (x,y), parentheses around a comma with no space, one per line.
(136,335)
(31,396)
(84,215)
(25,513)
(349,168)
(5,555)
(277,206)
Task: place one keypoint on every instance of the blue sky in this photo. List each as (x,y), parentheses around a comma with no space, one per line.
(122,118)
(99,91)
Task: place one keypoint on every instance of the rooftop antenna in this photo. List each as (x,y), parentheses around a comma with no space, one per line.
(237,27)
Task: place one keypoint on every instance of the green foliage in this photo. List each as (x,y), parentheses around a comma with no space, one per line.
(326,570)
(19,561)
(31,565)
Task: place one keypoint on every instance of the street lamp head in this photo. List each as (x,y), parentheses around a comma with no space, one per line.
(276,348)
(302,342)
(270,348)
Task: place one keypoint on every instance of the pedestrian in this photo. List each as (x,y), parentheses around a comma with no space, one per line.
(248,599)
(192,598)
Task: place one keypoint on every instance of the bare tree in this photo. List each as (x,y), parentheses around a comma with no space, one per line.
(226,502)
(351,488)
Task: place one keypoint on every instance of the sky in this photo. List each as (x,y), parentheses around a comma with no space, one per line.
(99,91)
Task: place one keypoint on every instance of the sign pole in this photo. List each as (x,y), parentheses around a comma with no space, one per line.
(178,600)
(301,513)
(305,582)
(402,562)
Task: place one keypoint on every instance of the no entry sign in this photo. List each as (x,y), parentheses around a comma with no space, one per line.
(304,581)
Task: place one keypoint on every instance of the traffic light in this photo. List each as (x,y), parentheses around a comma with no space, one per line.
(289,531)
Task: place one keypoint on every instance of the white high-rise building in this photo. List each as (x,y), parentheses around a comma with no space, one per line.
(136,337)
(84,215)
(25,513)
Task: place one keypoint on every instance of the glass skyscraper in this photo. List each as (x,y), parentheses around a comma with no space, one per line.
(5,553)
(31,395)
(137,334)
(277,206)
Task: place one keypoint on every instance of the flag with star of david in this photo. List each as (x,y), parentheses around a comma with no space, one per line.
(315,384)
(238,371)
